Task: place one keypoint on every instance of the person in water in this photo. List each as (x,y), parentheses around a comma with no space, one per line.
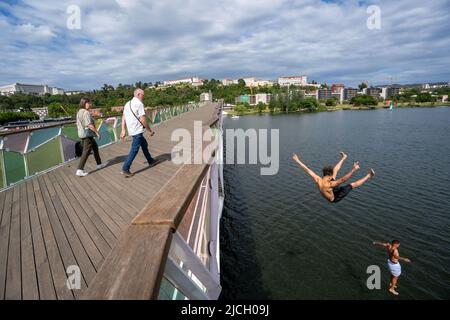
(329,187)
(393,263)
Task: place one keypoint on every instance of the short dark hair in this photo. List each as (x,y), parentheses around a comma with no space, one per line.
(83,102)
(328,171)
(395,242)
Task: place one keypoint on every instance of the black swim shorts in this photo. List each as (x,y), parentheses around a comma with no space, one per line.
(341,192)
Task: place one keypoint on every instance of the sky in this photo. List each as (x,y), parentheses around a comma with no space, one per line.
(124,41)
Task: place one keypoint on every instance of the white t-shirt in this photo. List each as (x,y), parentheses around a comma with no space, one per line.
(134,126)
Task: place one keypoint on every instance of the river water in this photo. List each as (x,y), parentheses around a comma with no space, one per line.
(281,240)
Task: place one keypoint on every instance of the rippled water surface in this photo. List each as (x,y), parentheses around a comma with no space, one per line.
(281,240)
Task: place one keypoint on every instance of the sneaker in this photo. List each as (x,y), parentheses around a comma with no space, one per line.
(101,166)
(127,174)
(81,173)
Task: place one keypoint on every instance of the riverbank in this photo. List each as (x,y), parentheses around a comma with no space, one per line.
(342,107)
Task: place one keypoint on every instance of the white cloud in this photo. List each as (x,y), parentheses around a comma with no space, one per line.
(33,34)
(126,41)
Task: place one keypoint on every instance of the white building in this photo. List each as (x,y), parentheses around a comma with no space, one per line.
(293,81)
(262,97)
(227,82)
(339,96)
(205,96)
(71,93)
(56,91)
(37,89)
(194,81)
(256,82)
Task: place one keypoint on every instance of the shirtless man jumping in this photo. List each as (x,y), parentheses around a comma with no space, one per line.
(329,187)
(393,263)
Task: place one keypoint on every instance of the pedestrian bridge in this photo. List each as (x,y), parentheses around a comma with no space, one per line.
(104,236)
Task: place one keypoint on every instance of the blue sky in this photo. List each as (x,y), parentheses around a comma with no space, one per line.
(124,41)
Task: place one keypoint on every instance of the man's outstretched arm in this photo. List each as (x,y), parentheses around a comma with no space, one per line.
(347,176)
(383,244)
(308,170)
(403,259)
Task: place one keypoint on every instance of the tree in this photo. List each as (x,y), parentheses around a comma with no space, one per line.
(261,107)
(362,86)
(425,97)
(6,117)
(241,83)
(331,102)
(364,99)
(311,104)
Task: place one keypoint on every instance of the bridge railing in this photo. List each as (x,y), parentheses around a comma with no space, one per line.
(26,153)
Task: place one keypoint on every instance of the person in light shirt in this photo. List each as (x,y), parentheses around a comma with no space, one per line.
(393,263)
(136,124)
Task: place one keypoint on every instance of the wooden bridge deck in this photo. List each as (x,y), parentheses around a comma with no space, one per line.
(57,219)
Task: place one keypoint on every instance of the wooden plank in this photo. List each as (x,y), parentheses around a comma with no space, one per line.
(43,272)
(170,204)
(115,225)
(117,197)
(83,261)
(115,213)
(97,229)
(82,226)
(2,199)
(55,258)
(13,273)
(65,249)
(124,203)
(4,239)
(133,270)
(30,289)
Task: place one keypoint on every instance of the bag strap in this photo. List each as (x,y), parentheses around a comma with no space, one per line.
(131,109)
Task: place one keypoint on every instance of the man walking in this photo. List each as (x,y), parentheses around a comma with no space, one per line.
(136,122)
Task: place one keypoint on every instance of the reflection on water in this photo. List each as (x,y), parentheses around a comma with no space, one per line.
(282,240)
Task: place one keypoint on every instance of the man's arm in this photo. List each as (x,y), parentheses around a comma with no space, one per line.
(123,132)
(346,177)
(143,120)
(383,244)
(315,177)
(403,259)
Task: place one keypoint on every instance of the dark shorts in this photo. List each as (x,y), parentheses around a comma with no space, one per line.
(341,192)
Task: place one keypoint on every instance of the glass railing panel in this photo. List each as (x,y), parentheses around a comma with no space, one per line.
(105,137)
(39,137)
(14,166)
(70,132)
(16,142)
(168,292)
(68,146)
(44,157)
(2,176)
(157,117)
